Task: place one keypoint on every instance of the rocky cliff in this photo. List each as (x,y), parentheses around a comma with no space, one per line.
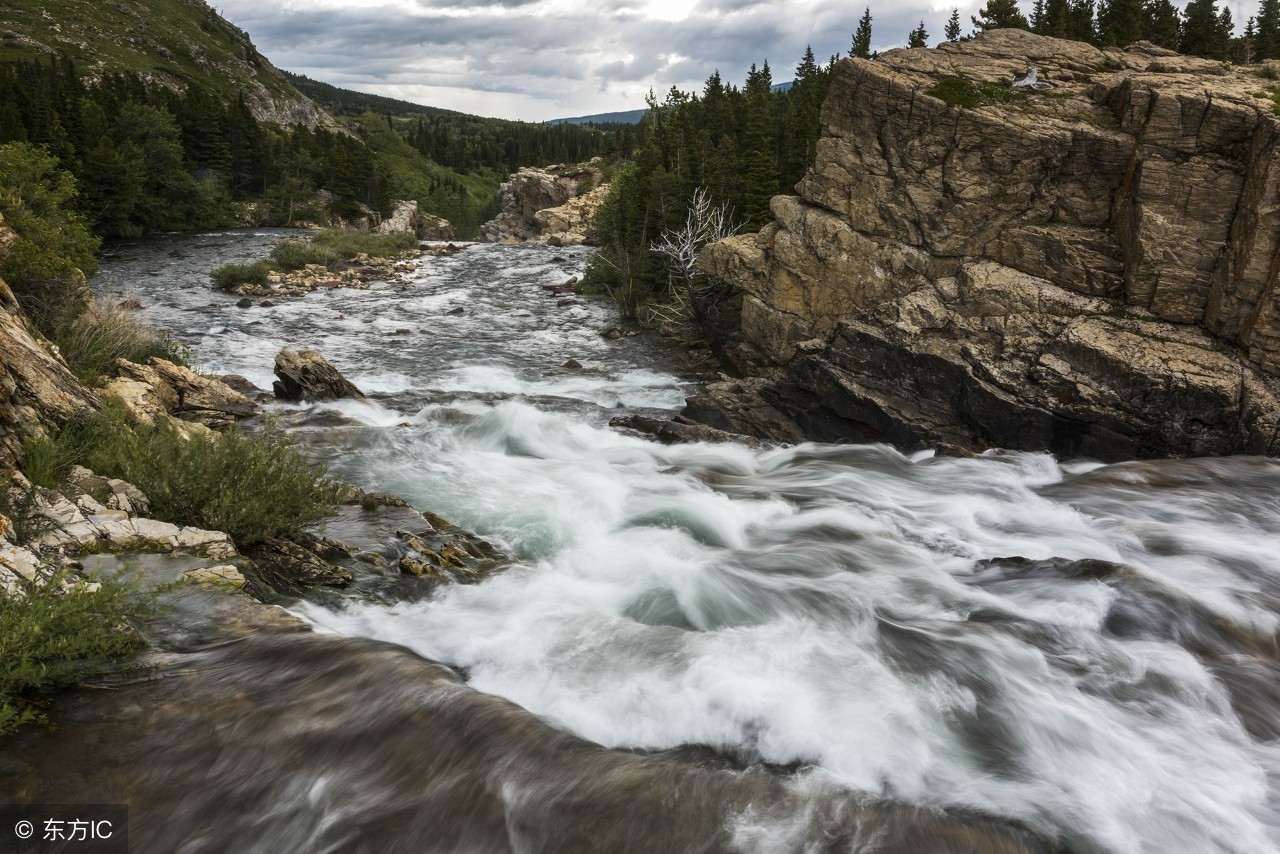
(1089,269)
(36,387)
(552,205)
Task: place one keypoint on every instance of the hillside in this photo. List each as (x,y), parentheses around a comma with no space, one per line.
(176,43)
(466,143)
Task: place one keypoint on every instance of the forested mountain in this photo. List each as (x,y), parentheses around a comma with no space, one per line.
(471,144)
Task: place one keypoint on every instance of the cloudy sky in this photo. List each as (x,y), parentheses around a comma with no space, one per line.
(544,59)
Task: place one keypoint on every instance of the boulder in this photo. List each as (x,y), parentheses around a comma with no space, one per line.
(162,388)
(404,219)
(306,375)
(546,191)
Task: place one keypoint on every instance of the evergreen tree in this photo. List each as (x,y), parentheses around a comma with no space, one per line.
(1000,14)
(862,38)
(1052,18)
(919,37)
(1266,41)
(1120,22)
(1206,30)
(1080,25)
(952,31)
(1162,24)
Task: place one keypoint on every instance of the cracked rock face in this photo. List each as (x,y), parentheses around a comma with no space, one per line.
(1087,270)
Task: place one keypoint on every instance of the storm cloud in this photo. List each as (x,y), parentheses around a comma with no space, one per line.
(543,59)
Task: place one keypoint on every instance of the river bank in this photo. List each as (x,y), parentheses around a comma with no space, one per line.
(694,647)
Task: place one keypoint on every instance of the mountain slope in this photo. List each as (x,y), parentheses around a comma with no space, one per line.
(174,43)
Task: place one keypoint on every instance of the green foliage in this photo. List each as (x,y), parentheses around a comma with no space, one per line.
(1206,30)
(919,37)
(952,31)
(252,486)
(1000,14)
(959,92)
(93,342)
(333,246)
(743,146)
(51,638)
(228,276)
(861,47)
(44,267)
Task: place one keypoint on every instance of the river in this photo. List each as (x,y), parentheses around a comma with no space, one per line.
(701,647)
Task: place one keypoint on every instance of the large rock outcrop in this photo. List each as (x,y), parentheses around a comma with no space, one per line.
(36,388)
(552,205)
(1088,270)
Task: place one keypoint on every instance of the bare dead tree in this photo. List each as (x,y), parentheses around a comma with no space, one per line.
(695,298)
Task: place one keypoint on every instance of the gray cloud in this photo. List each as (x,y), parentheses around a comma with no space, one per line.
(540,59)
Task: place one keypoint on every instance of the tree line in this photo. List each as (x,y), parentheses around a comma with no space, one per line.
(469,144)
(148,158)
(1203,28)
(736,147)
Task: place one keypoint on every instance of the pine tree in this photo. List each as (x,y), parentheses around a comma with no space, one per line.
(1120,22)
(1162,24)
(1080,26)
(1206,31)
(919,37)
(952,32)
(1000,14)
(862,38)
(1266,42)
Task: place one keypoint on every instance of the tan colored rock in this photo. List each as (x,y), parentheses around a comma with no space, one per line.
(536,189)
(224,575)
(161,387)
(36,388)
(306,375)
(937,277)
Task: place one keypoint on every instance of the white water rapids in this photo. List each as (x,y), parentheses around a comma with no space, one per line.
(936,630)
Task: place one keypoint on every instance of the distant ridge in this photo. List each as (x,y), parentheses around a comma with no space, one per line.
(624,117)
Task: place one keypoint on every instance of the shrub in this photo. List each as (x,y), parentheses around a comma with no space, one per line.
(44,267)
(335,245)
(252,486)
(228,276)
(105,332)
(52,638)
(959,92)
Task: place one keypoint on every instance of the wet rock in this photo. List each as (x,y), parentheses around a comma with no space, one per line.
(244,303)
(612,333)
(565,302)
(266,303)
(456,312)
(680,430)
(130,305)
(239,383)
(306,375)
(287,565)
(572,365)
(224,575)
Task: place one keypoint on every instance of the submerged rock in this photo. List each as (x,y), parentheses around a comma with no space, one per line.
(306,375)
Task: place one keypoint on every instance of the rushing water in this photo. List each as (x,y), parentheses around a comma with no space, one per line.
(1087,652)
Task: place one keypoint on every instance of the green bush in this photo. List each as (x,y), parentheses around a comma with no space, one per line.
(50,638)
(252,486)
(959,92)
(296,254)
(105,332)
(335,245)
(44,267)
(228,276)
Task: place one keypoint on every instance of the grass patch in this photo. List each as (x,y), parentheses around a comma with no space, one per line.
(968,95)
(105,332)
(251,486)
(334,246)
(51,639)
(229,276)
